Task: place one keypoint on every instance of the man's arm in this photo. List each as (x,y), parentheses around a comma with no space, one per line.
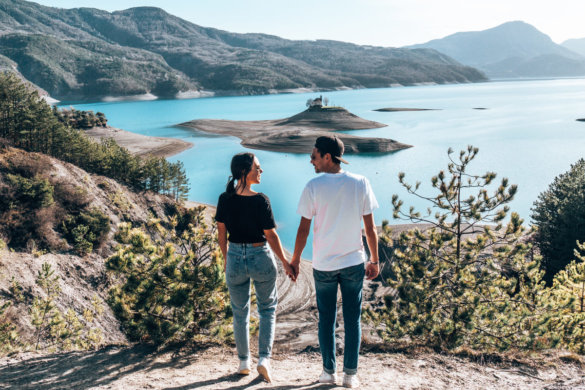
(302,234)
(373,266)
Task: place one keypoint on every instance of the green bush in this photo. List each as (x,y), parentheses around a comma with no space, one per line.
(34,193)
(568,299)
(559,215)
(172,289)
(86,231)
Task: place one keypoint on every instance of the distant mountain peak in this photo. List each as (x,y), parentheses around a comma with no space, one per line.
(511,49)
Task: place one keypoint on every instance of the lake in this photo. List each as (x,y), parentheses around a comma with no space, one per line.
(527,132)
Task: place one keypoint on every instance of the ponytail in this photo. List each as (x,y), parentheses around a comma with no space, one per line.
(231,185)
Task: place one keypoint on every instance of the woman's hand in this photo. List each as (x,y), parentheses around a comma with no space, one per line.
(288,269)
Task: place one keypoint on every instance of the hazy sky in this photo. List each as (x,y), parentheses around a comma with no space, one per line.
(367,22)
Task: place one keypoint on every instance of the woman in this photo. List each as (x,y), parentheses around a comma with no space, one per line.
(247,216)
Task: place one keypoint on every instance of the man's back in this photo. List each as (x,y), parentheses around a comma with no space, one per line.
(337,202)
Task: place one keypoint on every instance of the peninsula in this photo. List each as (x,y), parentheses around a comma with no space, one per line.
(297,133)
(139,144)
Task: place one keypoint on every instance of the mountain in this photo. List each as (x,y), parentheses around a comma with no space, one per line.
(86,53)
(513,49)
(576,45)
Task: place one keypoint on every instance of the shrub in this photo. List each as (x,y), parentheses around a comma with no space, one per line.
(57,329)
(568,300)
(559,215)
(33,193)
(172,289)
(86,231)
(9,339)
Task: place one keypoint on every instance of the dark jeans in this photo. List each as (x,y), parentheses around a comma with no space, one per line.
(351,282)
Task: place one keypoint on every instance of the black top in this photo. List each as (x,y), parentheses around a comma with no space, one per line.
(245,217)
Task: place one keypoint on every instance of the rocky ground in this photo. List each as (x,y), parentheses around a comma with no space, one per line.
(141,367)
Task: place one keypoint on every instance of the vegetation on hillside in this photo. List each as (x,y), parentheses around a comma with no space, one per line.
(28,122)
(559,215)
(80,119)
(471,279)
(55,329)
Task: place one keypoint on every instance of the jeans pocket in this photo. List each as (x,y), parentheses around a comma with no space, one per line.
(263,266)
(233,270)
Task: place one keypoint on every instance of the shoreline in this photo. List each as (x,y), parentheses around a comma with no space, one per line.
(138,144)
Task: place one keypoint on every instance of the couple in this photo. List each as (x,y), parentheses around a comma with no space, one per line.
(338,201)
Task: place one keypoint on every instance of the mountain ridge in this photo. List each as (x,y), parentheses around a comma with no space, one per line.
(169,55)
(512,49)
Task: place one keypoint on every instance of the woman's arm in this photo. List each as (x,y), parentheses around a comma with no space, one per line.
(274,242)
(222,238)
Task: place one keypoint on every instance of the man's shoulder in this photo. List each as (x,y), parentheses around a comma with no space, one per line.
(355,176)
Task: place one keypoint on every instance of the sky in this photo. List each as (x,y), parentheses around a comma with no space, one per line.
(389,23)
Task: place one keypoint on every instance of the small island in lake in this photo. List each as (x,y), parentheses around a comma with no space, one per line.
(397,109)
(297,133)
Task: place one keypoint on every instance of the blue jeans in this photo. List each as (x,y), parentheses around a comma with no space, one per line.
(351,282)
(245,262)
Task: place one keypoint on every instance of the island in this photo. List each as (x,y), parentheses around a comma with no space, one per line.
(398,109)
(297,133)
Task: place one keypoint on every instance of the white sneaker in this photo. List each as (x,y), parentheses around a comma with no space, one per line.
(244,368)
(350,381)
(327,378)
(264,369)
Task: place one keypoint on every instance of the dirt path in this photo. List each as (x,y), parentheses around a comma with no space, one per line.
(143,368)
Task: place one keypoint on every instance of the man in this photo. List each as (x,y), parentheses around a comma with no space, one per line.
(339,201)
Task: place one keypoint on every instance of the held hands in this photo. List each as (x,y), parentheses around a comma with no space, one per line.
(295,265)
(288,269)
(372,270)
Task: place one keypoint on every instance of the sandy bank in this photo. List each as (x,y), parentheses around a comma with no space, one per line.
(140,144)
(297,134)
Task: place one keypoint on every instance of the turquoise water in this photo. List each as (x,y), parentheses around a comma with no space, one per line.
(528,134)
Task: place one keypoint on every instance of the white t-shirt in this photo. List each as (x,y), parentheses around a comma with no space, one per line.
(338,201)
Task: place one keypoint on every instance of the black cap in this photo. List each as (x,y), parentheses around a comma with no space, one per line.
(331,144)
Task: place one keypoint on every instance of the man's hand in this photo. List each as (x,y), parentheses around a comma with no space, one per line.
(372,270)
(288,270)
(295,265)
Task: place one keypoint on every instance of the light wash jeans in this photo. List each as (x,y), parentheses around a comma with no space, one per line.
(351,282)
(245,262)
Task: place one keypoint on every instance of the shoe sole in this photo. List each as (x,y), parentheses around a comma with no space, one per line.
(244,372)
(264,373)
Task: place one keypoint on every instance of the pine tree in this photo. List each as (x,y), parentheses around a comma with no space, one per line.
(559,215)
(568,297)
(453,273)
(172,288)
